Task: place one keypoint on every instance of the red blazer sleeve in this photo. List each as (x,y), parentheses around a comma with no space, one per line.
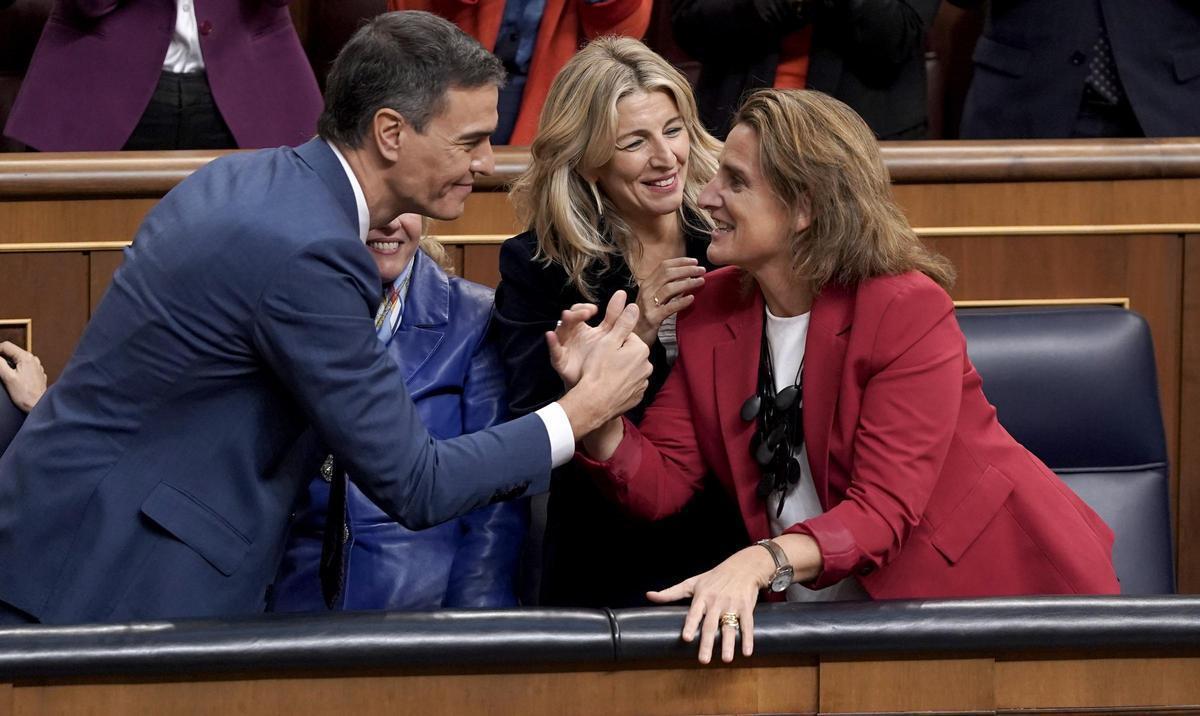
(909,413)
(656,469)
(630,18)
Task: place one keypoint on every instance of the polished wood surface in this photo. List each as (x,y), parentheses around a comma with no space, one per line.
(1022,221)
(52,290)
(1092,683)
(1189,419)
(154,173)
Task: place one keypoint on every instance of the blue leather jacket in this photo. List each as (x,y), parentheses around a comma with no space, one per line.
(456,380)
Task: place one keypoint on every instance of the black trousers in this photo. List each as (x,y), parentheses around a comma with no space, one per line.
(181,115)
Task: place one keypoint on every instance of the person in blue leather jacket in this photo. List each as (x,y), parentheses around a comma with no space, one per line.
(435,326)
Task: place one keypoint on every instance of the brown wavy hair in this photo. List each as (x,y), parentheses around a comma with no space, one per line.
(818,153)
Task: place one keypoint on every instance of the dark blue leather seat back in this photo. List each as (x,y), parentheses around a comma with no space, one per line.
(1077,386)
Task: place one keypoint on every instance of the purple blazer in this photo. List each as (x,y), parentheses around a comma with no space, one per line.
(98,61)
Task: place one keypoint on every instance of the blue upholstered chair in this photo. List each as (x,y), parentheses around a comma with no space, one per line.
(1077,386)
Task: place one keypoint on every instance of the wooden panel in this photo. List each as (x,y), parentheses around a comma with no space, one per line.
(1097,683)
(18,331)
(1095,202)
(942,685)
(482,264)
(6,699)
(103,265)
(1189,422)
(75,221)
(614,693)
(487,212)
(1147,269)
(51,289)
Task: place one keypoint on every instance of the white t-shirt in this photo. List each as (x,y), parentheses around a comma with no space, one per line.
(786,336)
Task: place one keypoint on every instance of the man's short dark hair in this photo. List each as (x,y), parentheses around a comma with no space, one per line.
(405,61)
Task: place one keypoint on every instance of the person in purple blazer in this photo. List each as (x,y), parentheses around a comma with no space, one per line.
(436,330)
(166,74)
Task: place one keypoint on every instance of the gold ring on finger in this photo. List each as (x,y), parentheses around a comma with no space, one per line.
(655,299)
(731,620)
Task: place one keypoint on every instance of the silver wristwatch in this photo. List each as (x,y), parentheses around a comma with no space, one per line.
(782,578)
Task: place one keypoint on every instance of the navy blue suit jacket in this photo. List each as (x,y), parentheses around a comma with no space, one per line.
(455,378)
(1032,58)
(150,482)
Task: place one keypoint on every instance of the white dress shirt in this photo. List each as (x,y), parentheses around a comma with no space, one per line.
(183,54)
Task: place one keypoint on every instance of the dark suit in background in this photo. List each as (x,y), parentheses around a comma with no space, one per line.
(867,53)
(1034,55)
(457,383)
(149,481)
(98,63)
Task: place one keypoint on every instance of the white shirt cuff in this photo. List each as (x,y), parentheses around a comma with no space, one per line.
(558,429)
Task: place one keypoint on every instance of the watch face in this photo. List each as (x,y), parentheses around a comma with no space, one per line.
(782,580)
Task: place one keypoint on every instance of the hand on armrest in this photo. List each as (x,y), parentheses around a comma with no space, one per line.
(22,375)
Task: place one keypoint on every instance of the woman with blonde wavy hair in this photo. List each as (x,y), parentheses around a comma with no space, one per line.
(824,380)
(610,203)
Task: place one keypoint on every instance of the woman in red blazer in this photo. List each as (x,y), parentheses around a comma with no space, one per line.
(859,445)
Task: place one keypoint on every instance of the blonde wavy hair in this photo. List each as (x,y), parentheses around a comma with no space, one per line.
(576,224)
(434,249)
(817,152)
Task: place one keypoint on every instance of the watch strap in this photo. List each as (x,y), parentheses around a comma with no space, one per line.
(777,553)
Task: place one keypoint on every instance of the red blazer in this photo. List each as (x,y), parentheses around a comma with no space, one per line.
(566,26)
(925,494)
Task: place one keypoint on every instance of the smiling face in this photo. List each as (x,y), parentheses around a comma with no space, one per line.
(753,226)
(645,177)
(393,246)
(437,168)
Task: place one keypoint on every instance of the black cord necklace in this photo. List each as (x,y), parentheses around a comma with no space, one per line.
(780,432)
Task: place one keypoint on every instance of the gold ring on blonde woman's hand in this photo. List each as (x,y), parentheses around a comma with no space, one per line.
(731,620)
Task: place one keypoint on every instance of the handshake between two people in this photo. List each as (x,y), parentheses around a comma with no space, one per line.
(605,368)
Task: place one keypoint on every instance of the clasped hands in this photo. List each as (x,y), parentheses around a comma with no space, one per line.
(605,368)
(22,375)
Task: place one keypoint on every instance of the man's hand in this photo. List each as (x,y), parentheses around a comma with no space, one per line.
(24,379)
(606,367)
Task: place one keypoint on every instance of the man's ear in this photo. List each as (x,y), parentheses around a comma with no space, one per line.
(390,130)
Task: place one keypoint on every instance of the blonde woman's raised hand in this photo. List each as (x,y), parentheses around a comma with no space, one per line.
(670,288)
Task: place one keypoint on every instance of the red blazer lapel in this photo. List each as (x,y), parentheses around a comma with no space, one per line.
(735,375)
(824,358)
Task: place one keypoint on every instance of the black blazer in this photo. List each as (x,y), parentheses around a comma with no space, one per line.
(594,555)
(867,53)
(1032,59)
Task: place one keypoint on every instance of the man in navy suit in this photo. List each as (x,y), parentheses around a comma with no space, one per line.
(151,480)
(1085,68)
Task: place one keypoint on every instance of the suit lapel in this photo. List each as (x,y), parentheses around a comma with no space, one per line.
(735,375)
(426,312)
(824,358)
